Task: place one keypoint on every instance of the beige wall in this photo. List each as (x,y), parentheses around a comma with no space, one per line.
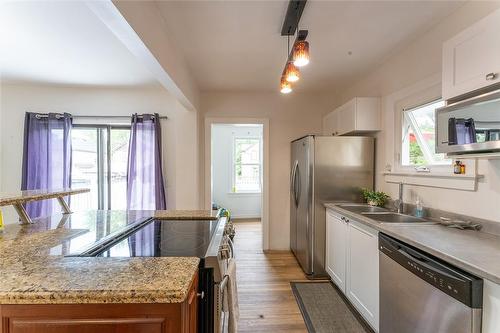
(179,131)
(290,117)
(416,68)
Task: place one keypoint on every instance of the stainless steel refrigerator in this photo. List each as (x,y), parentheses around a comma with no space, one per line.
(324,169)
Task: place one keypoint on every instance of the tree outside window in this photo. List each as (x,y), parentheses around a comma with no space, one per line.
(247,165)
(418,136)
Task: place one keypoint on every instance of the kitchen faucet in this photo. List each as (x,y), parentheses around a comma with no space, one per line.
(400,199)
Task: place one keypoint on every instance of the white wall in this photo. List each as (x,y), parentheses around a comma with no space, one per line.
(417,68)
(241,205)
(179,131)
(290,117)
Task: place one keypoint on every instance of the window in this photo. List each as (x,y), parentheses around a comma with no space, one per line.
(99,162)
(247,165)
(418,136)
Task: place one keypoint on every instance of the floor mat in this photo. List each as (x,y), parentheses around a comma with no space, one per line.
(325,310)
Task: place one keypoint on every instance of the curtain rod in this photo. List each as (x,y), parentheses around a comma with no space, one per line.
(60,115)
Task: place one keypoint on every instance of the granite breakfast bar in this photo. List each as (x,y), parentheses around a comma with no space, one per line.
(43,288)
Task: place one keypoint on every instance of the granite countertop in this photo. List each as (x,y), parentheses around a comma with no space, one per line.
(473,251)
(7,199)
(34,270)
(185,214)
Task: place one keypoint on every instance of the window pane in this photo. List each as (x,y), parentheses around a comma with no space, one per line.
(118,159)
(84,168)
(246,165)
(247,178)
(247,151)
(418,142)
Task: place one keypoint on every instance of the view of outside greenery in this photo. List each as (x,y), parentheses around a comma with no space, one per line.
(89,147)
(246,165)
(419,136)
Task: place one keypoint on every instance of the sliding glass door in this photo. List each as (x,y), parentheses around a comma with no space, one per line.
(100,155)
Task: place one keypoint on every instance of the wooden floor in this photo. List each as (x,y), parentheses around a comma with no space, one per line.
(266,300)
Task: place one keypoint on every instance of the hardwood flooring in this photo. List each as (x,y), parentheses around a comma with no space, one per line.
(265,297)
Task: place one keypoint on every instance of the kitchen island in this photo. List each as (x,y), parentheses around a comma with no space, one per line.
(46,288)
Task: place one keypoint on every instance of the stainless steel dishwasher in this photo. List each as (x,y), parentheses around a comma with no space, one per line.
(421,294)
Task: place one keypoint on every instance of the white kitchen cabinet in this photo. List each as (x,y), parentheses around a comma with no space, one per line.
(471,59)
(352,263)
(330,124)
(361,114)
(491,307)
(362,282)
(336,249)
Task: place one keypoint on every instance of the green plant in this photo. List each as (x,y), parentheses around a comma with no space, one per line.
(375,198)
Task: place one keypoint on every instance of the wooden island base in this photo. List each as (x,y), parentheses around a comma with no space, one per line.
(102,318)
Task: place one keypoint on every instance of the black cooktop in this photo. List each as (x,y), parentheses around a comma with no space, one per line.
(166,239)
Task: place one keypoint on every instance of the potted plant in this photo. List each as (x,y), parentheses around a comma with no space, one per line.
(374,198)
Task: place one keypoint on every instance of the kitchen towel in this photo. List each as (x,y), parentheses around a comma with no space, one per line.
(232,297)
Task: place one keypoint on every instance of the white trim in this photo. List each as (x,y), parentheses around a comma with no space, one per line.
(458,182)
(209,121)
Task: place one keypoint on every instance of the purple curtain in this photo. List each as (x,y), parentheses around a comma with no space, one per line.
(145,188)
(46,157)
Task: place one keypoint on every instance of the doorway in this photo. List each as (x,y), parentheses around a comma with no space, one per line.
(236,167)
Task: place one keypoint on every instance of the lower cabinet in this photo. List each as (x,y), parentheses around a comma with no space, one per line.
(352,263)
(362,285)
(102,318)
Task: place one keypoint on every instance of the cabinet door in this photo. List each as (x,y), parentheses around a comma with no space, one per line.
(336,245)
(362,284)
(347,117)
(330,124)
(471,59)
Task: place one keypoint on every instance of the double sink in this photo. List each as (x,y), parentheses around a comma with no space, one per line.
(382,215)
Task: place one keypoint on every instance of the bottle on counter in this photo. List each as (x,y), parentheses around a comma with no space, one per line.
(462,168)
(1,221)
(457,167)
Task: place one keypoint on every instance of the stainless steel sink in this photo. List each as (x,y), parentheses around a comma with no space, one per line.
(390,217)
(361,208)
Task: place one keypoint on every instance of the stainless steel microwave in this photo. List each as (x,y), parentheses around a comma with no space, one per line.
(469,126)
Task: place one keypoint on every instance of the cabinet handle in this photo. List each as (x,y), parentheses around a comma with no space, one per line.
(491,76)
(201,295)
(342,218)
(444,141)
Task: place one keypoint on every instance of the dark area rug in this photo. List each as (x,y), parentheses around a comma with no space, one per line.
(325,310)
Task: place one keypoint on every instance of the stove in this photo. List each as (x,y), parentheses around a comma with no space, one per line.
(204,239)
(167,239)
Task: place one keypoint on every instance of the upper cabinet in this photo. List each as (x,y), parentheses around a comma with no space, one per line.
(361,114)
(471,59)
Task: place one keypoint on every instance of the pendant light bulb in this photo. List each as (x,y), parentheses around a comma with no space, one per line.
(292,73)
(285,86)
(301,53)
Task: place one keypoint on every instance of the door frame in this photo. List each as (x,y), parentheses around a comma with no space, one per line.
(209,121)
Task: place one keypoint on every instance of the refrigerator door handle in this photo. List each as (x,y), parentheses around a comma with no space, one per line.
(297,185)
(292,178)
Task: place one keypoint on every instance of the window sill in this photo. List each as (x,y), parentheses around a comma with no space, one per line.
(439,180)
(244,193)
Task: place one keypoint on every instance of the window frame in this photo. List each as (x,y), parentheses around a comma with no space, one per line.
(232,190)
(102,192)
(413,101)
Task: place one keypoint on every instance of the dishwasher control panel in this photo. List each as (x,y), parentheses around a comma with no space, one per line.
(460,285)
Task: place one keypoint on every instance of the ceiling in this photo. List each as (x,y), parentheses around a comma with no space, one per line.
(63,43)
(236,45)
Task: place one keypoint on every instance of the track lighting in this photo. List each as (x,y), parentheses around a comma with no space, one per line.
(285,86)
(292,73)
(301,53)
